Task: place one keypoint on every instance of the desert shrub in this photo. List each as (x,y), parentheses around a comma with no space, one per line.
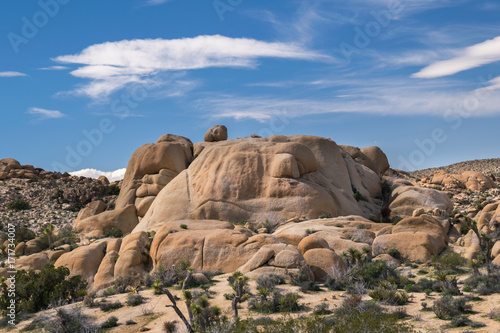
(130,322)
(170,326)
(89,299)
(400,312)
(183,226)
(321,309)
(460,321)
(134,299)
(110,322)
(494,314)
(70,320)
(484,284)
(113,189)
(446,307)
(450,261)
(389,294)
(115,233)
(269,281)
(109,306)
(24,234)
(274,303)
(37,291)
(126,282)
(325,216)
(353,323)
(395,254)
(18,204)
(335,284)
(205,315)
(372,273)
(303,280)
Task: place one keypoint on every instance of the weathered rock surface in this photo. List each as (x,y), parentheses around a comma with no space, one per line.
(124,219)
(407,199)
(272,178)
(416,238)
(224,249)
(216,133)
(152,166)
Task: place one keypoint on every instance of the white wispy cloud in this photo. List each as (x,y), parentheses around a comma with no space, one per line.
(113,65)
(156,2)
(11,74)
(471,57)
(397,98)
(53,68)
(45,114)
(94,173)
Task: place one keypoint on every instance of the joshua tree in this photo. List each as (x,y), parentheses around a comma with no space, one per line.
(238,282)
(49,231)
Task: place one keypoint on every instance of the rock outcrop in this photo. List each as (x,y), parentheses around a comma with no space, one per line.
(273,179)
(150,168)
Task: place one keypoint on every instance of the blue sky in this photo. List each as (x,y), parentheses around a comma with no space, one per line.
(85,83)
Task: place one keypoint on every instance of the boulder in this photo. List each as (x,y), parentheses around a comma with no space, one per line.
(170,152)
(216,133)
(495,251)
(208,249)
(378,158)
(388,259)
(33,246)
(324,263)
(312,242)
(91,209)
(104,180)
(84,260)
(471,180)
(407,199)
(132,258)
(106,273)
(19,250)
(35,262)
(271,179)
(124,219)
(416,238)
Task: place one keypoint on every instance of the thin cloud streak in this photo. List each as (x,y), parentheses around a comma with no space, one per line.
(45,114)
(11,74)
(471,57)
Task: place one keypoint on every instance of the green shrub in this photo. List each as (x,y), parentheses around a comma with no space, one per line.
(115,233)
(18,204)
(450,261)
(303,280)
(389,294)
(372,273)
(446,307)
(484,284)
(70,320)
(110,322)
(37,291)
(113,189)
(105,306)
(325,216)
(321,309)
(395,254)
(460,321)
(269,281)
(183,226)
(134,299)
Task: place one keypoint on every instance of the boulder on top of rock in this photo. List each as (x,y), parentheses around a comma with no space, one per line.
(170,154)
(416,238)
(325,263)
(406,199)
(274,178)
(91,209)
(216,133)
(372,157)
(124,219)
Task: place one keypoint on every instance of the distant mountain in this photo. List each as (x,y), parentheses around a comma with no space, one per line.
(486,166)
(93,173)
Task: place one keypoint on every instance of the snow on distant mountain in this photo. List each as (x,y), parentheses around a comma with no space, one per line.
(93,173)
